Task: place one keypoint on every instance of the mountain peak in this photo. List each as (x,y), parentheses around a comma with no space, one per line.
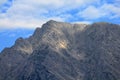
(51,21)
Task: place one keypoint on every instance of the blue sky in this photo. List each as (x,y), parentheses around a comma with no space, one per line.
(8,37)
(19,18)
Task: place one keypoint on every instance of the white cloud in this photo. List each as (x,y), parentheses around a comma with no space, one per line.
(91,12)
(106,10)
(33,13)
(112,9)
(9,23)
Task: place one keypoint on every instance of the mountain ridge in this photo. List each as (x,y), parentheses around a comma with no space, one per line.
(64,51)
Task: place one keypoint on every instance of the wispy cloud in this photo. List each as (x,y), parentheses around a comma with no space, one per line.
(4,5)
(92,12)
(33,13)
(112,10)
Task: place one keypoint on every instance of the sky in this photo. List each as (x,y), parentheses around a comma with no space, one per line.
(19,18)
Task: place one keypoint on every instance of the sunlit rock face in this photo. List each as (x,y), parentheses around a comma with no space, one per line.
(64,51)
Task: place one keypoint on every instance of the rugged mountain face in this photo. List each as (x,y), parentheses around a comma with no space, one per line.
(64,51)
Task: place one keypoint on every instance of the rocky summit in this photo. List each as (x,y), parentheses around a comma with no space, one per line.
(64,51)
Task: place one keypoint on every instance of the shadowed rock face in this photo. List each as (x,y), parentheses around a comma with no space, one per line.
(64,51)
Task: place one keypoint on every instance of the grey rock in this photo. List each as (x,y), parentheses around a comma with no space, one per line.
(64,51)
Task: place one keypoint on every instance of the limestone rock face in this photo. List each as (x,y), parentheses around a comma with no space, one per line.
(64,51)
